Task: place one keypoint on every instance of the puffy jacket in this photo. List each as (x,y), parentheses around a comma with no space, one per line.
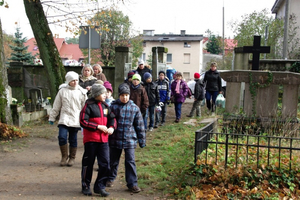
(139,96)
(96,113)
(130,126)
(68,104)
(152,92)
(183,91)
(213,81)
(164,90)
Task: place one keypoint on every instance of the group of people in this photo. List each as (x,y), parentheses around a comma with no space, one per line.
(85,102)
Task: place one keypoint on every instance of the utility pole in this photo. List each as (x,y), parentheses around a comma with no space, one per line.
(223,34)
(286,31)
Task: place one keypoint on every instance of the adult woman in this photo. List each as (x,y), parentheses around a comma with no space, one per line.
(98,73)
(86,79)
(179,91)
(213,87)
(67,104)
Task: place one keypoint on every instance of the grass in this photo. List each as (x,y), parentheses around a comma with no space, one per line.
(169,151)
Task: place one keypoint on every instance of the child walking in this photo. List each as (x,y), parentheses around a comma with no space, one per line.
(199,95)
(130,131)
(98,122)
(67,104)
(153,96)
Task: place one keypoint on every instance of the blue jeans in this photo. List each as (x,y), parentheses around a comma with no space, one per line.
(145,118)
(63,135)
(211,95)
(130,167)
(151,115)
(91,151)
(178,110)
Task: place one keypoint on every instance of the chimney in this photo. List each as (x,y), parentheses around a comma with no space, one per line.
(182,32)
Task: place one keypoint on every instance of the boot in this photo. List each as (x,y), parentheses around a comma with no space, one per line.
(64,154)
(72,156)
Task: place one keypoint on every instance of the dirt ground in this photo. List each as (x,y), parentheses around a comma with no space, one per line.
(30,168)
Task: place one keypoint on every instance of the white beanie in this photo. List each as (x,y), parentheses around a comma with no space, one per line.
(70,76)
(141,62)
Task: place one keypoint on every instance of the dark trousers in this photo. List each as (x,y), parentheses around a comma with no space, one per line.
(162,113)
(130,167)
(91,151)
(178,110)
(211,97)
(151,115)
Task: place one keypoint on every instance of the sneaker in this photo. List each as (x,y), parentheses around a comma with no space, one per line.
(162,124)
(177,121)
(102,192)
(155,126)
(151,129)
(109,183)
(135,189)
(189,115)
(86,191)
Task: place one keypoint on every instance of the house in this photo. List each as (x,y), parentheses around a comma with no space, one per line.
(184,51)
(230,44)
(279,8)
(69,53)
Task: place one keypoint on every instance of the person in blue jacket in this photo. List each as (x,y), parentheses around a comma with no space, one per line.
(130,131)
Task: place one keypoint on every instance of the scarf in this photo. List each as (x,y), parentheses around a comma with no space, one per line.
(177,89)
(135,87)
(84,78)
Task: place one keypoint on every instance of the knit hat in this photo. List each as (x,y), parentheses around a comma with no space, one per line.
(147,75)
(130,74)
(136,76)
(196,75)
(141,62)
(97,90)
(108,86)
(70,76)
(161,72)
(124,89)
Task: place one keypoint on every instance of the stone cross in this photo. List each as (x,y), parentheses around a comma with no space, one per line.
(256,50)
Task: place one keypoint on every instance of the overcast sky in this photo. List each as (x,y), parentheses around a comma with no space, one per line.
(163,16)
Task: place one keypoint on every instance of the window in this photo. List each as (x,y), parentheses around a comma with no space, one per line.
(186,58)
(186,76)
(143,57)
(187,45)
(169,58)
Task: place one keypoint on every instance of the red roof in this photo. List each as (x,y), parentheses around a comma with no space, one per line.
(66,51)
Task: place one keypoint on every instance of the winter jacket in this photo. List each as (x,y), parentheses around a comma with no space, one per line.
(68,104)
(164,90)
(85,83)
(141,72)
(213,81)
(153,93)
(130,126)
(101,77)
(183,91)
(199,90)
(139,97)
(96,113)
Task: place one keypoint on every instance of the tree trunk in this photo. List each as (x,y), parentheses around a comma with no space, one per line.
(44,39)
(5,113)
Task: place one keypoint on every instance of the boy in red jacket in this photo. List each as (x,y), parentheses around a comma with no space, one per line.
(98,123)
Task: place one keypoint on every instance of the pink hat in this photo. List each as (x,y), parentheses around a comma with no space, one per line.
(108,86)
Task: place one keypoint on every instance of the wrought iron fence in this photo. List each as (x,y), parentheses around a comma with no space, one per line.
(234,149)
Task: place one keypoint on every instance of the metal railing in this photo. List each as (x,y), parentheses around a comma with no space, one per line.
(245,149)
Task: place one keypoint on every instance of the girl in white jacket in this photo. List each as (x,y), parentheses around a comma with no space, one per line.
(67,104)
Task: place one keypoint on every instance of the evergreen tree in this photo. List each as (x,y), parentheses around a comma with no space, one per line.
(20,53)
(213,45)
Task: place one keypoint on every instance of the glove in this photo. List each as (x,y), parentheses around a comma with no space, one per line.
(51,122)
(102,128)
(110,131)
(161,104)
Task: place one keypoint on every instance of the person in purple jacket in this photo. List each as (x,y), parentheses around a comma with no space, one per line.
(179,90)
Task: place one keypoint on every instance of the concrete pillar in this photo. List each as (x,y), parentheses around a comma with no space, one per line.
(232,89)
(158,56)
(241,60)
(122,57)
(290,101)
